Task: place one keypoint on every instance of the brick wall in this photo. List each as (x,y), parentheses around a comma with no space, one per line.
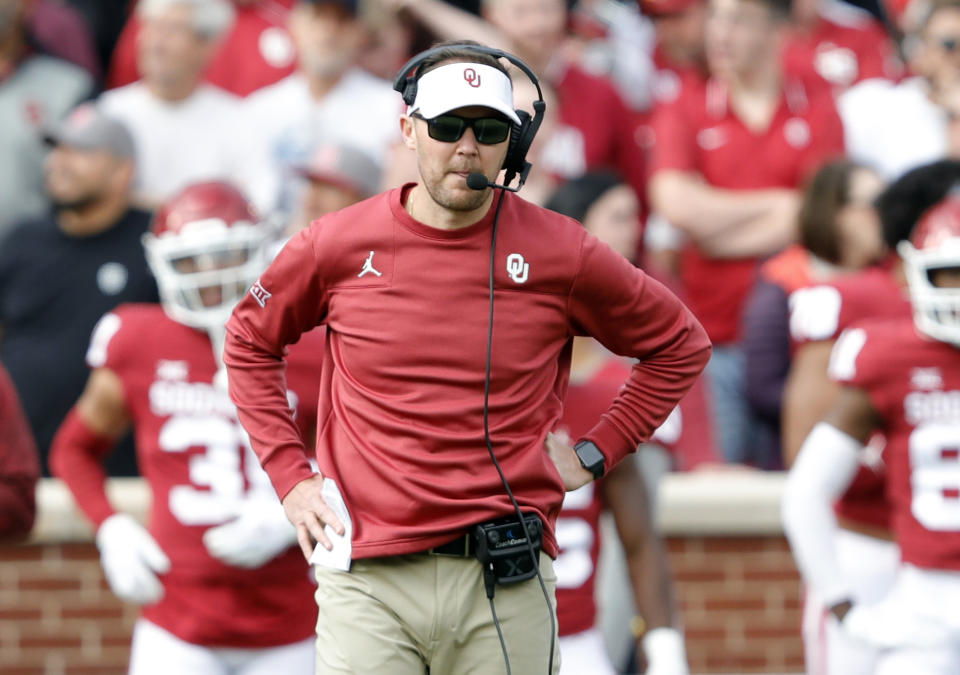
(57,614)
(739,598)
(736,583)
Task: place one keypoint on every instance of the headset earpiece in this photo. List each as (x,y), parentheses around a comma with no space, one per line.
(410,91)
(519,143)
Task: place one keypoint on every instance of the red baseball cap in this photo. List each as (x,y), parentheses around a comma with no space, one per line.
(665,7)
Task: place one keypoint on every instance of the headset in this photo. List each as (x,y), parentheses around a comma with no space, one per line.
(521,136)
(515,163)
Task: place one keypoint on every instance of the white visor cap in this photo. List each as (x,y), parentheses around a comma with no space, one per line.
(459,85)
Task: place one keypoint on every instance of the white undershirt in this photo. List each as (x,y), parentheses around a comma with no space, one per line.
(892,127)
(177,143)
(282,123)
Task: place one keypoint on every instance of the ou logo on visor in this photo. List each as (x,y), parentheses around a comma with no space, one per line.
(472,77)
(517,268)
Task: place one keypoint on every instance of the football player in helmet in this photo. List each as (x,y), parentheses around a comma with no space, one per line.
(867,556)
(900,377)
(608,209)
(221,588)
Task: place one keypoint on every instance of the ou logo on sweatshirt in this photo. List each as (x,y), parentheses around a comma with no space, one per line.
(517,268)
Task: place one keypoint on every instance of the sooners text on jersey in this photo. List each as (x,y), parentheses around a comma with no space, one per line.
(201,469)
(914,385)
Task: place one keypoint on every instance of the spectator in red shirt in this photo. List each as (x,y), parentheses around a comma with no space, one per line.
(19,465)
(679,52)
(256,52)
(734,211)
(836,45)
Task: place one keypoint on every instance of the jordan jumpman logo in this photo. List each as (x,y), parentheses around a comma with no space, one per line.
(368,267)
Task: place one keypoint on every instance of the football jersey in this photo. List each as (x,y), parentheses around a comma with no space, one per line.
(914,385)
(822,313)
(578,526)
(197,459)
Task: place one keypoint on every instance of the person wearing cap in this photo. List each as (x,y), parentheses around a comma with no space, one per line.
(596,129)
(35,90)
(183,127)
(328,100)
(335,177)
(414,428)
(59,273)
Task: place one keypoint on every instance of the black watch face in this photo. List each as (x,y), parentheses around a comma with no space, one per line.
(591,458)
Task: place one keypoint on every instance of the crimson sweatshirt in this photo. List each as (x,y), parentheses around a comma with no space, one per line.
(19,464)
(400,415)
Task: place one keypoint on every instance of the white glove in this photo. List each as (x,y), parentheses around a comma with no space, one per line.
(665,652)
(260,533)
(131,559)
(886,626)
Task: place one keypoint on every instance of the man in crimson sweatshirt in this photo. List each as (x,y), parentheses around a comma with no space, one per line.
(402,283)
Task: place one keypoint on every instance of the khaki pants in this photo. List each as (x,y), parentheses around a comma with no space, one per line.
(398,615)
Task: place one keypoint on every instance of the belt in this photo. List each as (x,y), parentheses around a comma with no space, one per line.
(457,548)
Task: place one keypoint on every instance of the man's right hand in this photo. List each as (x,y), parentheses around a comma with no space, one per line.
(309,514)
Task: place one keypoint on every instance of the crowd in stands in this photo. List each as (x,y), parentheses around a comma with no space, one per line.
(741,151)
(717,113)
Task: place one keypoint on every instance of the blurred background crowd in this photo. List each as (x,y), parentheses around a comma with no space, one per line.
(734,149)
(744,152)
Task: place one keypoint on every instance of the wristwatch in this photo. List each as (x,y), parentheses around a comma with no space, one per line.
(590,458)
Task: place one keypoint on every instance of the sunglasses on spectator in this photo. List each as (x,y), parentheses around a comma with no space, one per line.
(950,45)
(450,128)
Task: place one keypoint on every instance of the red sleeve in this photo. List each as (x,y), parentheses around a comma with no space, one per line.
(862,357)
(673,137)
(19,464)
(634,315)
(123,63)
(76,457)
(288,300)
(696,444)
(77,452)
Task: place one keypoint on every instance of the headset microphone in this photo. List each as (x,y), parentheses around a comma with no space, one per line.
(477,181)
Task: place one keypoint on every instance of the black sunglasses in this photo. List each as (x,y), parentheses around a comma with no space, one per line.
(450,128)
(949,44)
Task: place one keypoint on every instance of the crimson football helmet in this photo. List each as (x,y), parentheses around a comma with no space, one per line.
(206,247)
(935,244)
